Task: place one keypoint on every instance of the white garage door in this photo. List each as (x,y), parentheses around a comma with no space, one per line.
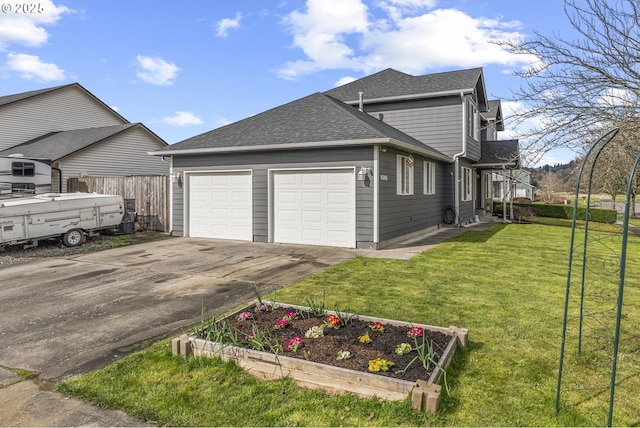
(315,207)
(220,206)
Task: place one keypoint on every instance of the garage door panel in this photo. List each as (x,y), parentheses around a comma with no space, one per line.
(314,207)
(220,205)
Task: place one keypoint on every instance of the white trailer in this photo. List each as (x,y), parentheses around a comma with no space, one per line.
(66,216)
(21,176)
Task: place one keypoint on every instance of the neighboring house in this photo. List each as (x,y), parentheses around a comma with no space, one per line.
(512,184)
(362,165)
(79,134)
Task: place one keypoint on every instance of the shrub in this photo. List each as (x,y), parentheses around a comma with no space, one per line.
(561,211)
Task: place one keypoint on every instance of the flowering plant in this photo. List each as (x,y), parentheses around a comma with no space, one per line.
(281,324)
(289,316)
(415,332)
(380,365)
(334,321)
(243,316)
(315,331)
(365,338)
(377,327)
(343,355)
(262,307)
(294,344)
(403,348)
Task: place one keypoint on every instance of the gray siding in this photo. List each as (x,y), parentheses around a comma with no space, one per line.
(435,122)
(473,149)
(404,214)
(261,162)
(123,154)
(59,110)
(467,208)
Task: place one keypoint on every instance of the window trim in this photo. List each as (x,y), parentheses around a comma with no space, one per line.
(23,169)
(404,173)
(466,184)
(429,177)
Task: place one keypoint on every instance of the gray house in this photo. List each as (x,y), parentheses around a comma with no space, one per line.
(78,134)
(362,165)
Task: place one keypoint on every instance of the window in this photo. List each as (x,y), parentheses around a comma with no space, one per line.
(429,178)
(467,183)
(472,120)
(23,169)
(405,175)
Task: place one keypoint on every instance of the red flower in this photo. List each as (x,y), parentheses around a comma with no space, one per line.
(377,327)
(333,320)
(415,332)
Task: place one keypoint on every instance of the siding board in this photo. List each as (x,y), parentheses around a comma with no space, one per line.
(59,110)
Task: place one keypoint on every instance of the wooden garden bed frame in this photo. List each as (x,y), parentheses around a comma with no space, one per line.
(425,394)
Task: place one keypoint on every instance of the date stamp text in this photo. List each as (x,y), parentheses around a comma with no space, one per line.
(24,8)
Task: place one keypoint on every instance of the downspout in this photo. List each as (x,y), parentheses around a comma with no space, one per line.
(171,178)
(456,160)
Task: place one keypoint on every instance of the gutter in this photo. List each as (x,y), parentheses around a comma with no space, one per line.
(412,96)
(308,145)
(456,161)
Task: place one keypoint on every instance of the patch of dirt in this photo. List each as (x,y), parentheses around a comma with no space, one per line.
(345,338)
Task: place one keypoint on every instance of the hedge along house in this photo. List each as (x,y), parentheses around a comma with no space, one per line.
(338,168)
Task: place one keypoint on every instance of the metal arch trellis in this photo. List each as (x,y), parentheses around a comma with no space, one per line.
(589,323)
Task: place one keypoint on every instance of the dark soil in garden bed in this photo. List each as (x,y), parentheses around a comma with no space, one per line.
(259,331)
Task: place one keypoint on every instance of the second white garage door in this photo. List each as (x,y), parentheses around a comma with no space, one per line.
(220,206)
(315,207)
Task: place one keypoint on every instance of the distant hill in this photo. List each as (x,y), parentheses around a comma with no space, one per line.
(565,172)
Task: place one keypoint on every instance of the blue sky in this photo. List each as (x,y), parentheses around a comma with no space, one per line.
(185,67)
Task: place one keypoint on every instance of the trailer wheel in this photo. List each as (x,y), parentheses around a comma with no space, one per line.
(73,238)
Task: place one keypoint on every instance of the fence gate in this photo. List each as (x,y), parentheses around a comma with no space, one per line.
(150,196)
(591,348)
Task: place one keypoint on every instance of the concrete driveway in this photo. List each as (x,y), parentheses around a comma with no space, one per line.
(76,314)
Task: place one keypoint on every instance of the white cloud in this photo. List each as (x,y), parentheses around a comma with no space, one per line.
(222,121)
(156,71)
(26,27)
(344,80)
(31,67)
(321,33)
(404,34)
(226,24)
(183,118)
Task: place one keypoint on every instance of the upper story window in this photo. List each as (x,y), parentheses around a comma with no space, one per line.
(467,183)
(472,119)
(404,175)
(429,178)
(23,169)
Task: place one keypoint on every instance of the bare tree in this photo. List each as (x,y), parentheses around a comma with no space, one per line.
(576,89)
(549,185)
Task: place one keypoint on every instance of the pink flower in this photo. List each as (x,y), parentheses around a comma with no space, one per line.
(294,343)
(415,332)
(281,324)
(289,316)
(243,316)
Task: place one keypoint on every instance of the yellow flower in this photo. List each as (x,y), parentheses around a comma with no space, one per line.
(365,338)
(379,365)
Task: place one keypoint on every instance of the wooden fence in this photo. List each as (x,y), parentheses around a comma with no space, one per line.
(148,196)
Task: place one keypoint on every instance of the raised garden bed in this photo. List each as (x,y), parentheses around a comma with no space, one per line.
(270,352)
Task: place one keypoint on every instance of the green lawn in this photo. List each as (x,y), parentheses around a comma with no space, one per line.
(506,285)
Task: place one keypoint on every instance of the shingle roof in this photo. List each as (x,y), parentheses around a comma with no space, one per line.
(57,145)
(312,121)
(495,113)
(500,153)
(391,83)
